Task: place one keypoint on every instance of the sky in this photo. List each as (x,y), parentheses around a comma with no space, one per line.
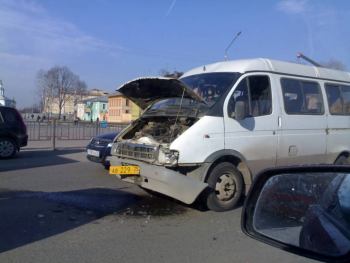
(109,42)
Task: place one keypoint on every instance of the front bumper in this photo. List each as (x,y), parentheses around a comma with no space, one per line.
(162,180)
(23,140)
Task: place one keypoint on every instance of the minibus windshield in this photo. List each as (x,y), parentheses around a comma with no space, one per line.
(211,86)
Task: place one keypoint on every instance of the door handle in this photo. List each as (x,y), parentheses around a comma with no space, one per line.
(293,150)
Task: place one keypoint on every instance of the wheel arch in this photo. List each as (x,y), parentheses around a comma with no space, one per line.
(12,138)
(14,142)
(233,157)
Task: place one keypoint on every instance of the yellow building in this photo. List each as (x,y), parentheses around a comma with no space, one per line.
(121,109)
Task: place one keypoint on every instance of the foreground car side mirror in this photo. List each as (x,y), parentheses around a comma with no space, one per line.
(303,210)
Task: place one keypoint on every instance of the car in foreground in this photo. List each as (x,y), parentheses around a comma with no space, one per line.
(13,132)
(319,229)
(99,148)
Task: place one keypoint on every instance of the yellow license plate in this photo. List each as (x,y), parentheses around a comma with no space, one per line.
(124,169)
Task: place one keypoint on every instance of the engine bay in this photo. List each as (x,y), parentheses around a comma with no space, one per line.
(158,130)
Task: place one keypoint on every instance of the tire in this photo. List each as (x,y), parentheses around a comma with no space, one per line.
(225,187)
(343,160)
(8,148)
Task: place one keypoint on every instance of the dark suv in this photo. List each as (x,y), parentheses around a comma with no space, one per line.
(13,132)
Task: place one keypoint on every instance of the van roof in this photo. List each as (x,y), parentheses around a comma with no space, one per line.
(269,65)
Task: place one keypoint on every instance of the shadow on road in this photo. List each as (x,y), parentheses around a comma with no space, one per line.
(28,216)
(33,159)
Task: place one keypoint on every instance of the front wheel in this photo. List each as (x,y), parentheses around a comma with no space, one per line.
(226,187)
(7,148)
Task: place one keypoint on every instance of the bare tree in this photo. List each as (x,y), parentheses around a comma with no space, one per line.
(80,92)
(44,91)
(334,64)
(57,85)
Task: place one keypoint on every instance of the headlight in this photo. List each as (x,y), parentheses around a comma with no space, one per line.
(168,157)
(110,144)
(114,148)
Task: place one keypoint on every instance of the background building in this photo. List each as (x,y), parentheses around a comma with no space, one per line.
(96,108)
(122,109)
(70,107)
(3,100)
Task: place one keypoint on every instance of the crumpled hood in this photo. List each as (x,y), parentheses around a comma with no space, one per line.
(145,91)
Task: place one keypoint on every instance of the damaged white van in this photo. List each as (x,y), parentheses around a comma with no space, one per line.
(208,133)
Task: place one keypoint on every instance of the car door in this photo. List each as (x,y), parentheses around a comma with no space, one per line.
(254,137)
(303,123)
(338,120)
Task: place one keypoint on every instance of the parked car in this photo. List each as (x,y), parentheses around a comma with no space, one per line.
(99,148)
(13,132)
(219,125)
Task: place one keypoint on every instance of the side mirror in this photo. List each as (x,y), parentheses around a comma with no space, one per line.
(303,210)
(240,110)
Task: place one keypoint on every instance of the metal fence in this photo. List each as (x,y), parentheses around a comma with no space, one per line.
(64,130)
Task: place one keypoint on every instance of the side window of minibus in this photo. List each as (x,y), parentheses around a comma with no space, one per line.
(240,94)
(302,97)
(346,99)
(255,91)
(338,97)
(335,101)
(260,95)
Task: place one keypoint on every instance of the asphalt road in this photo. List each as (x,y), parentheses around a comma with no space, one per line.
(59,207)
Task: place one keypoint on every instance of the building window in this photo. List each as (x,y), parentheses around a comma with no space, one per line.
(126,102)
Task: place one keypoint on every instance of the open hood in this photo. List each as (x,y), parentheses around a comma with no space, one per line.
(145,91)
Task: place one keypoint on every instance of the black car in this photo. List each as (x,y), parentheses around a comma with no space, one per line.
(100,147)
(13,132)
